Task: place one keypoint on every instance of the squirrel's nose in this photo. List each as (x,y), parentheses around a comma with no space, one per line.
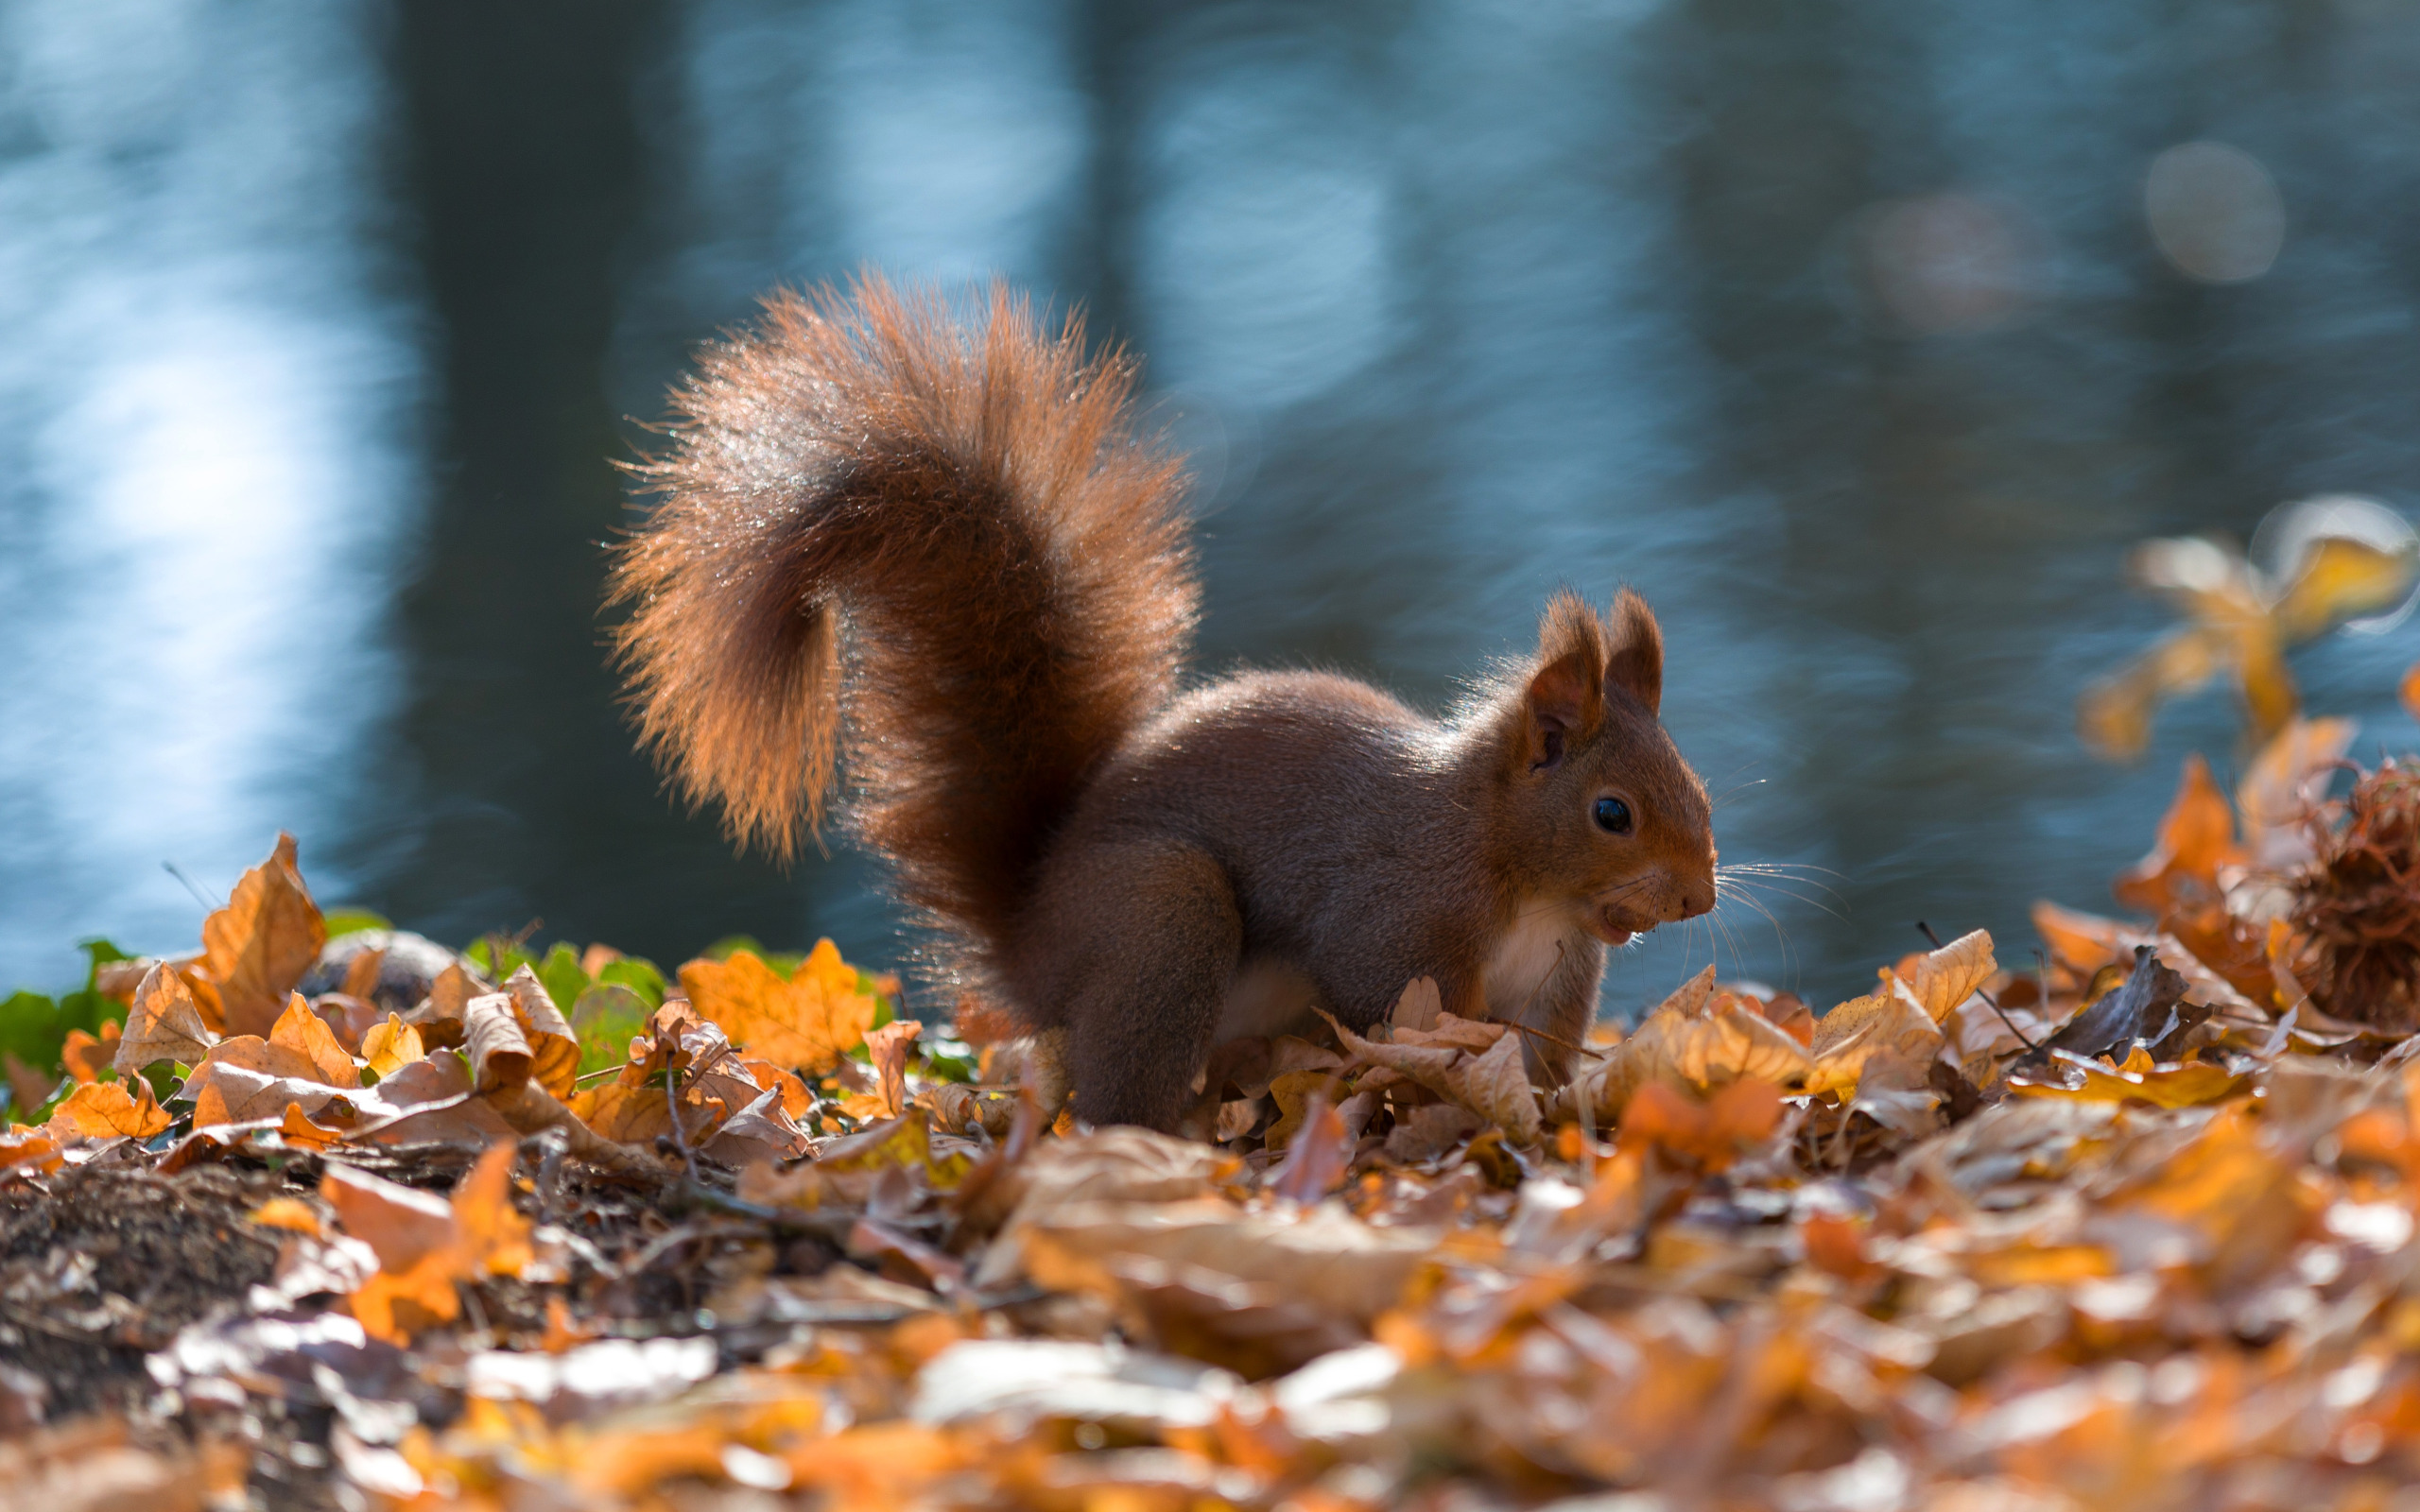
(1696,898)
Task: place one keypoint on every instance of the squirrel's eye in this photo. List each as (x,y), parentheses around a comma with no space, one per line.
(1613,816)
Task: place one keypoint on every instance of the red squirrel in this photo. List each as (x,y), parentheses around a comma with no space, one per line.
(945,545)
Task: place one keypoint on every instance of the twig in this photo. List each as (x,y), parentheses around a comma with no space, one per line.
(679,1135)
(2029,1044)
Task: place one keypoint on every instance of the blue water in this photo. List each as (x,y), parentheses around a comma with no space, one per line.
(1840,328)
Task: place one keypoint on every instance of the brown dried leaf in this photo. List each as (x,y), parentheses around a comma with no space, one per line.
(439,1016)
(1944,978)
(554,1048)
(887,1048)
(1419,1006)
(1887,1024)
(1495,1085)
(162,1024)
(257,947)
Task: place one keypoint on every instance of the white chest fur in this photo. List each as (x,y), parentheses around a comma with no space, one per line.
(1528,953)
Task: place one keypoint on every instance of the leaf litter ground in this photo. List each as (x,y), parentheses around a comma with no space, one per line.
(328,1216)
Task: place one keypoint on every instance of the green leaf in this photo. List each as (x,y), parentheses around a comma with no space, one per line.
(640,975)
(482,954)
(561,974)
(31,1030)
(353,920)
(607,1017)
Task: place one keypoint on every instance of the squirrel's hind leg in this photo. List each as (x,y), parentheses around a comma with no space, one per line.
(1145,943)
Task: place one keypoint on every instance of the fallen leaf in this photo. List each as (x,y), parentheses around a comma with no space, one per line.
(1714,1133)
(1948,976)
(2183,1085)
(1495,1085)
(887,1048)
(1318,1158)
(25,1147)
(162,1024)
(425,1244)
(291,1213)
(248,1077)
(1698,1040)
(1891,1023)
(307,1034)
(87,1055)
(391,1046)
(1419,1006)
(258,947)
(2196,838)
(103,1108)
(808,1022)
(554,1049)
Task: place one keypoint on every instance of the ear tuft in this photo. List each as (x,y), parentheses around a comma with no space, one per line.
(1636,666)
(1566,701)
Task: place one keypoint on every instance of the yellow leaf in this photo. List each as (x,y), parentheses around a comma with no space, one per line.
(101,1109)
(2187,1084)
(307,1034)
(1700,1040)
(257,947)
(808,1022)
(391,1046)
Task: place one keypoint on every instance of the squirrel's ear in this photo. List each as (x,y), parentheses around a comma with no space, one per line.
(1637,665)
(1566,697)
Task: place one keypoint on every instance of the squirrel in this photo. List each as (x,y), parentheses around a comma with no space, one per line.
(946,547)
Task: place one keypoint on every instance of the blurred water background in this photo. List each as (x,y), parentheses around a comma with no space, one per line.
(1862,336)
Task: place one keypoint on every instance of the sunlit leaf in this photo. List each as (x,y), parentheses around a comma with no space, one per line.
(257,947)
(808,1021)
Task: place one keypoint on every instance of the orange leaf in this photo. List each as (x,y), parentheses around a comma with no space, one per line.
(307,1034)
(86,1056)
(286,1213)
(28,1146)
(101,1109)
(2196,838)
(2409,690)
(1713,1133)
(162,1024)
(489,1236)
(259,945)
(298,1130)
(808,1022)
(632,1115)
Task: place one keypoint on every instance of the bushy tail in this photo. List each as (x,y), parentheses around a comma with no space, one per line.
(951,529)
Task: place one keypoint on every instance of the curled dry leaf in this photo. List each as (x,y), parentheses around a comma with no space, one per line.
(162,1024)
(808,1022)
(439,1016)
(887,1048)
(1495,1085)
(1890,1022)
(1419,1006)
(1699,1040)
(257,947)
(2186,1084)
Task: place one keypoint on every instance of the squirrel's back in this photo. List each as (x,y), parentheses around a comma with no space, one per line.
(949,526)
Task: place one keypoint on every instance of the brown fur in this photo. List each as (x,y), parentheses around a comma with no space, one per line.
(952,536)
